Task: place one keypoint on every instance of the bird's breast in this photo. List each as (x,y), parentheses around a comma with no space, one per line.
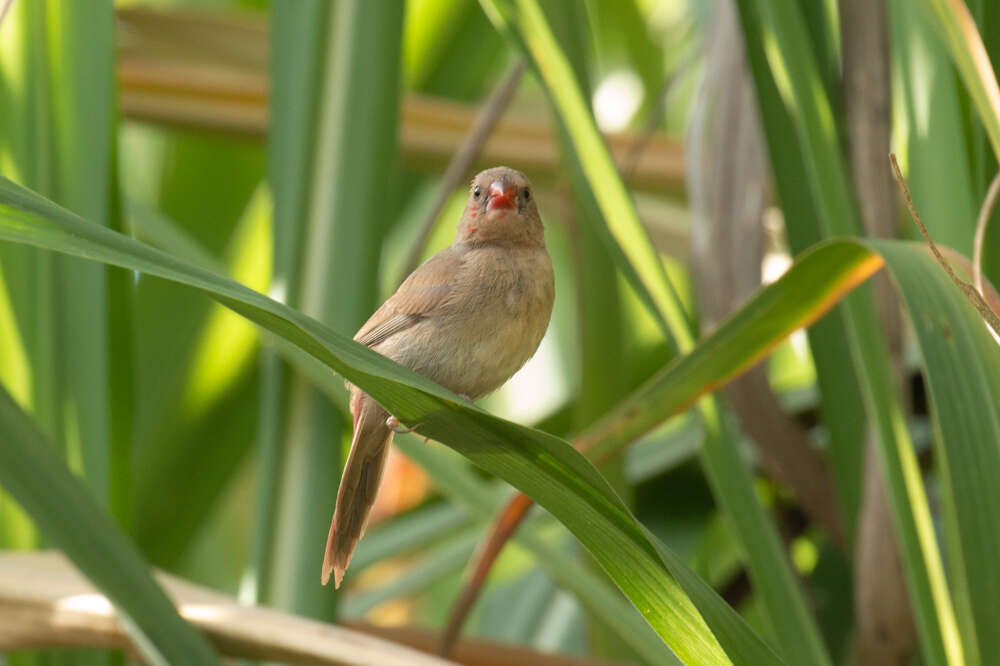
(492,328)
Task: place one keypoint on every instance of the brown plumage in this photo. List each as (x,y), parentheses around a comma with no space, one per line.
(468,318)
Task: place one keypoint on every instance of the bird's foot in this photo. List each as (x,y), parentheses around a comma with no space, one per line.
(393,424)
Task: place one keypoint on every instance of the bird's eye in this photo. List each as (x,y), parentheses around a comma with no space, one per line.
(527,194)
(477,191)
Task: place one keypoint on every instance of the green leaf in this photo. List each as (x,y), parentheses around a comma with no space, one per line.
(842,408)
(598,306)
(524,24)
(626,238)
(972,62)
(544,467)
(465,489)
(965,393)
(335,100)
(68,516)
(813,284)
(963,377)
(57,128)
(937,166)
(81,75)
(776,34)
(557,477)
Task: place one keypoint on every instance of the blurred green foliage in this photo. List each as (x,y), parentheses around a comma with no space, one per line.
(218,455)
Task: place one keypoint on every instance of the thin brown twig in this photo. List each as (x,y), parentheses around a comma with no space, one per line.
(964,267)
(462,160)
(985,213)
(507,520)
(984,310)
(506,523)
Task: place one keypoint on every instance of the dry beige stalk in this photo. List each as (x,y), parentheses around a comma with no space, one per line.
(209,70)
(46,602)
(886,633)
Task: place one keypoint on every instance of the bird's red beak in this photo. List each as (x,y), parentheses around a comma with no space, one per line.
(501,195)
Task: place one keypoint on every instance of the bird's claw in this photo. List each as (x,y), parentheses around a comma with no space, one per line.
(393,424)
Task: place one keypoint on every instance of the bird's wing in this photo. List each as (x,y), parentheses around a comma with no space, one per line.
(425,290)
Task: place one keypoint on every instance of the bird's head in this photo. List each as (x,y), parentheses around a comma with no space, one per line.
(501,210)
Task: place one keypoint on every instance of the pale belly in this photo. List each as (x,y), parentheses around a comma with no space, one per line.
(473,350)
(497,353)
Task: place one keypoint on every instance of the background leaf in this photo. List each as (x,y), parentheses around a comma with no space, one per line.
(67,514)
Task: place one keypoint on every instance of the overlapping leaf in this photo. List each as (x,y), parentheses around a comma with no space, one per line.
(544,467)
(963,370)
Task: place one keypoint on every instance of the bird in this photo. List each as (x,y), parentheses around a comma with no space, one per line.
(467,318)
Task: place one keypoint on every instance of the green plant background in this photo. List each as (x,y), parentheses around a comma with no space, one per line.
(142,423)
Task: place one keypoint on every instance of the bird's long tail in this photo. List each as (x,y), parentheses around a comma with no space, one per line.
(358,485)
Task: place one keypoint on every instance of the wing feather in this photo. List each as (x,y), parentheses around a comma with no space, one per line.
(426,289)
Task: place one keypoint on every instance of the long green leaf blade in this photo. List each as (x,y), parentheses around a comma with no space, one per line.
(972,62)
(67,514)
(302,32)
(776,34)
(543,466)
(346,204)
(950,332)
(963,376)
(525,24)
(465,489)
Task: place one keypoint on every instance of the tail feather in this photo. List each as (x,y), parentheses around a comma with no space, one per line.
(358,485)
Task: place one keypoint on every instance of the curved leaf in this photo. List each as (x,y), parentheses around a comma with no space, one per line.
(67,514)
(777,42)
(962,364)
(626,238)
(464,488)
(814,283)
(542,466)
(525,25)
(963,373)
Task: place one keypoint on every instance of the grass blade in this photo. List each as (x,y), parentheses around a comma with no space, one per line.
(81,71)
(464,488)
(298,73)
(963,374)
(599,311)
(346,206)
(67,514)
(972,61)
(543,466)
(525,25)
(794,73)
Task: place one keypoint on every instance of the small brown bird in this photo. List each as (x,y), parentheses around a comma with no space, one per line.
(468,318)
